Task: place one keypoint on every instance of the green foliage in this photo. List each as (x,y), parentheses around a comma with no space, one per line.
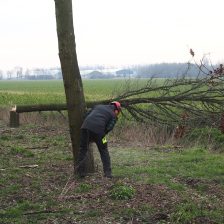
(18,150)
(46,92)
(19,209)
(122,191)
(160,167)
(185,212)
(12,189)
(183,184)
(83,188)
(188,211)
(206,135)
(93,213)
(4,137)
(19,137)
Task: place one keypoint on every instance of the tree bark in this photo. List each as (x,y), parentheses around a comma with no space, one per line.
(51,107)
(71,75)
(14,119)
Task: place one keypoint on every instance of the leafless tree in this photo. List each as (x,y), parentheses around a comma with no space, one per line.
(9,74)
(71,75)
(1,74)
(174,101)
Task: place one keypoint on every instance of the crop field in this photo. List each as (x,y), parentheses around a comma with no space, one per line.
(52,91)
(156,179)
(46,92)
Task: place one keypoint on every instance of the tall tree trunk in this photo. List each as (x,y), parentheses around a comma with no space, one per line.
(71,75)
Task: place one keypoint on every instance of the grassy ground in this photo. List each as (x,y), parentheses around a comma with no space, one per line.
(45,92)
(151,184)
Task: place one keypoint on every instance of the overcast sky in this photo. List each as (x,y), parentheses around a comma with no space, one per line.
(112,31)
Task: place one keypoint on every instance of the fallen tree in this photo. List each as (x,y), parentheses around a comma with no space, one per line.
(164,103)
(47,107)
(197,101)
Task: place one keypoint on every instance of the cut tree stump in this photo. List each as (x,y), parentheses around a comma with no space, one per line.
(14,119)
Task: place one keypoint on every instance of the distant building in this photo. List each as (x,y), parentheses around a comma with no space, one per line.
(124,73)
(98,75)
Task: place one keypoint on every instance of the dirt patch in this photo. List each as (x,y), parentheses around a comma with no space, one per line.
(203,220)
(157,198)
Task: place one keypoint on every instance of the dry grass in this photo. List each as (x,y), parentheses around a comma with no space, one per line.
(36,118)
(4,114)
(131,132)
(143,134)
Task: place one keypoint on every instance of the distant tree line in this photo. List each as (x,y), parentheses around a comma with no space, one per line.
(170,70)
(160,70)
(18,73)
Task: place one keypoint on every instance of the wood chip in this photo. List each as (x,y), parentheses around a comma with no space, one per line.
(29,166)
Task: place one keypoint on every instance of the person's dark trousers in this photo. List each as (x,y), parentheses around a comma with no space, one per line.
(87,137)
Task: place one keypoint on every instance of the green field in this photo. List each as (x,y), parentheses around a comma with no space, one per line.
(45,92)
(52,92)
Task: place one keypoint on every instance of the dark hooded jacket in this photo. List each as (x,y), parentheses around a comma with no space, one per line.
(100,120)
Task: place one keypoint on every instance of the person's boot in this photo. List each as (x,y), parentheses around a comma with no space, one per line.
(108,174)
(81,175)
(81,171)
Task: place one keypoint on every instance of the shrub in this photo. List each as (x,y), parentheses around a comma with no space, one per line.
(122,192)
(83,187)
(208,134)
(17,150)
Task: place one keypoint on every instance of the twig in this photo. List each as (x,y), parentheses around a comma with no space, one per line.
(43,211)
(29,166)
(38,147)
(66,188)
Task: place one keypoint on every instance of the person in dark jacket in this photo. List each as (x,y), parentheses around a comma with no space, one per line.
(96,125)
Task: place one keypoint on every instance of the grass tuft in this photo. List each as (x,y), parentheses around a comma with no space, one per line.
(122,192)
(18,150)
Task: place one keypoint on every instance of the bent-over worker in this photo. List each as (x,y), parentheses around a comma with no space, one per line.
(96,125)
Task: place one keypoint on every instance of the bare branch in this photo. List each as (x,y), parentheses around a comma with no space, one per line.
(166,102)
